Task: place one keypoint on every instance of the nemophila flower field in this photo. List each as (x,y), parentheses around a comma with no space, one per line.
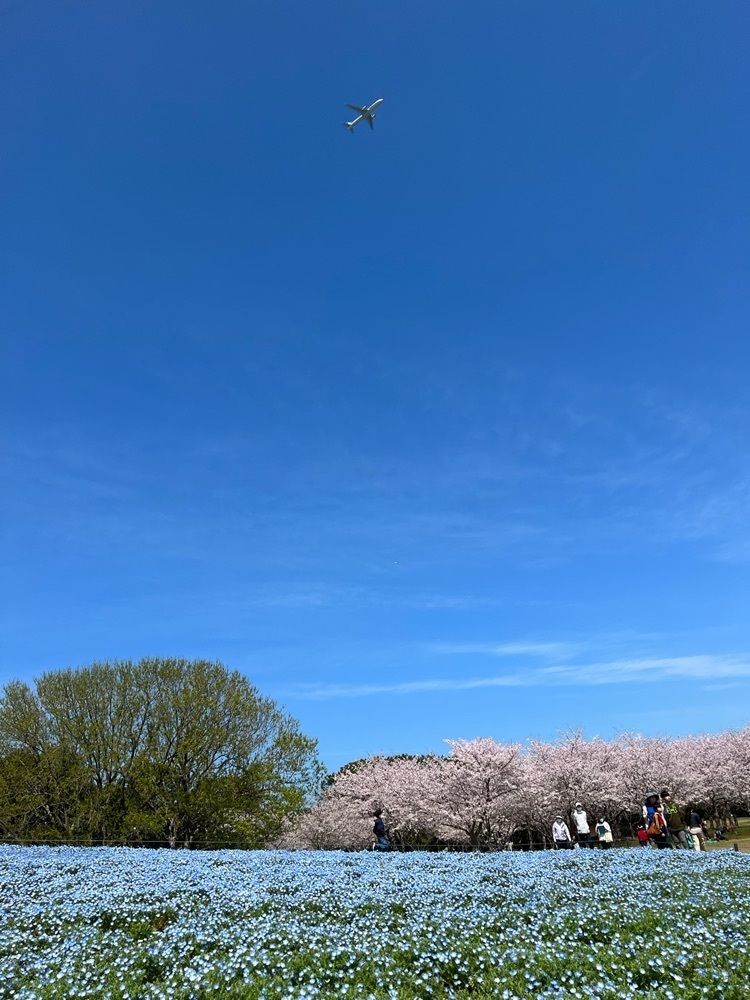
(137,923)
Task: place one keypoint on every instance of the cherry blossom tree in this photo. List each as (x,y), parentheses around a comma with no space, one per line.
(567,771)
(719,767)
(407,789)
(484,791)
(478,798)
(650,764)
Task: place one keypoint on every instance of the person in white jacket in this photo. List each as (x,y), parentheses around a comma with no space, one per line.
(581,823)
(560,833)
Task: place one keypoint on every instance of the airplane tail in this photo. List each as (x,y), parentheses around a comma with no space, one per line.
(350,126)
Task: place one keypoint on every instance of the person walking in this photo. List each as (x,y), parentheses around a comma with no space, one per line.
(382,842)
(561,833)
(604,833)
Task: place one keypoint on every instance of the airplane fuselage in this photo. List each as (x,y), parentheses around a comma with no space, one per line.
(364,114)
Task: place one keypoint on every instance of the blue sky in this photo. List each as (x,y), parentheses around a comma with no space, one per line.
(433,431)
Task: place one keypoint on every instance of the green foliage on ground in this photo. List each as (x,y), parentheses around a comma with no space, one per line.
(615,925)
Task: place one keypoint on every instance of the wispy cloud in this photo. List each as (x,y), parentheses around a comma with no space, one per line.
(664,475)
(321,594)
(706,667)
(700,667)
(320,692)
(548,650)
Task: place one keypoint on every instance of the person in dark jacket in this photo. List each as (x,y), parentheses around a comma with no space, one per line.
(378,829)
(675,823)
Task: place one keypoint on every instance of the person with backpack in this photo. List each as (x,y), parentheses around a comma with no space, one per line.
(656,824)
(604,833)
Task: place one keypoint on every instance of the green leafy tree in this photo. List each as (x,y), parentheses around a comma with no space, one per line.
(165,749)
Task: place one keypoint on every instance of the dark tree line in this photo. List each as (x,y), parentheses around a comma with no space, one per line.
(163,750)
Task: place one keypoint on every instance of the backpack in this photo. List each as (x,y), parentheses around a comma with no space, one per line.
(657,825)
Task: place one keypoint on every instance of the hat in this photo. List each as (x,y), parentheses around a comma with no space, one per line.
(559,816)
(578,805)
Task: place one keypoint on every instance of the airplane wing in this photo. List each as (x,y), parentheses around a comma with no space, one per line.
(354,107)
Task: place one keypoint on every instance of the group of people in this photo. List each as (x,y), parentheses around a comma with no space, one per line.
(601,836)
(666,825)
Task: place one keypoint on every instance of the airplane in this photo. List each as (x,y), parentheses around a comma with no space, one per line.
(363,114)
